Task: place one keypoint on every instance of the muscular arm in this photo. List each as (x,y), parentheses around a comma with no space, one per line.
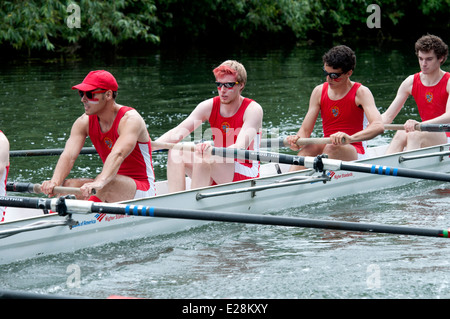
(68,157)
(310,119)
(365,98)
(200,114)
(403,92)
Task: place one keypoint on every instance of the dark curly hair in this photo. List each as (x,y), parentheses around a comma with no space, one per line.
(340,57)
(430,42)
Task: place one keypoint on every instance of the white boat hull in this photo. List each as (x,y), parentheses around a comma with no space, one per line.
(95,229)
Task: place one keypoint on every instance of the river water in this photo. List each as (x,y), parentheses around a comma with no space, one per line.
(221,260)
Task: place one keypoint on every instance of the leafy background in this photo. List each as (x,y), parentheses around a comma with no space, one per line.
(39,28)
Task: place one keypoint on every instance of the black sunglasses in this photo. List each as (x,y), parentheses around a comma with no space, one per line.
(90,94)
(332,75)
(228,85)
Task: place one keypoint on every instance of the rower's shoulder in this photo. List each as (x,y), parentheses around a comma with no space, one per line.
(319,87)
(255,110)
(130,112)
(132,118)
(83,119)
(407,84)
(317,91)
(363,90)
(253,105)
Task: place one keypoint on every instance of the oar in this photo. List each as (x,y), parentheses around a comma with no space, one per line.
(265,143)
(69,206)
(421,127)
(51,151)
(320,164)
(47,152)
(282,141)
(22,187)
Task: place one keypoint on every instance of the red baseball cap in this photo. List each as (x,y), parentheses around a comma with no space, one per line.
(100,79)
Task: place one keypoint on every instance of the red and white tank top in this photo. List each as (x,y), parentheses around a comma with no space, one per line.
(342,115)
(138,164)
(225,131)
(431,100)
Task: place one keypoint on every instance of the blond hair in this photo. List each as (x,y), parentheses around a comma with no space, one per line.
(232,67)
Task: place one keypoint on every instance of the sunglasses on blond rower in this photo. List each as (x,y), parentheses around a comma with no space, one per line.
(90,94)
(228,85)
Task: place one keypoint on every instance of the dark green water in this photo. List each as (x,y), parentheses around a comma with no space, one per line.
(223,260)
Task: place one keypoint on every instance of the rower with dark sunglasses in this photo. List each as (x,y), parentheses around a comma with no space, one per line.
(120,137)
(235,122)
(344,106)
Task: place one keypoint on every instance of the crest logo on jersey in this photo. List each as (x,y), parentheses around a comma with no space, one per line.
(335,111)
(225,126)
(429,97)
(108,142)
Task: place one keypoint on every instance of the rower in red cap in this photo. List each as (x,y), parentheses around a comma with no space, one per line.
(119,135)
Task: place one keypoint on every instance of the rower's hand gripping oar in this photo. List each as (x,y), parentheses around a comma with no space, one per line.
(22,187)
(65,206)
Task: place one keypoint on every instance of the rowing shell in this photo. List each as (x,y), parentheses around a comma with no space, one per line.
(41,234)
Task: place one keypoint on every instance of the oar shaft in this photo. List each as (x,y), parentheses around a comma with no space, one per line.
(395,171)
(329,164)
(47,152)
(265,143)
(84,207)
(282,142)
(290,222)
(425,127)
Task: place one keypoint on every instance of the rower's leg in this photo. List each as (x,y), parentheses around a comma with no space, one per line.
(211,168)
(342,152)
(179,164)
(119,189)
(417,140)
(398,143)
(77,183)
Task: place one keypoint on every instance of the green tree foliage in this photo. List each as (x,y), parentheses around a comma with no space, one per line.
(35,25)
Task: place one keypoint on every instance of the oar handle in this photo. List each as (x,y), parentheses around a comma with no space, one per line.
(59,190)
(37,188)
(398,127)
(311,140)
(181,146)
